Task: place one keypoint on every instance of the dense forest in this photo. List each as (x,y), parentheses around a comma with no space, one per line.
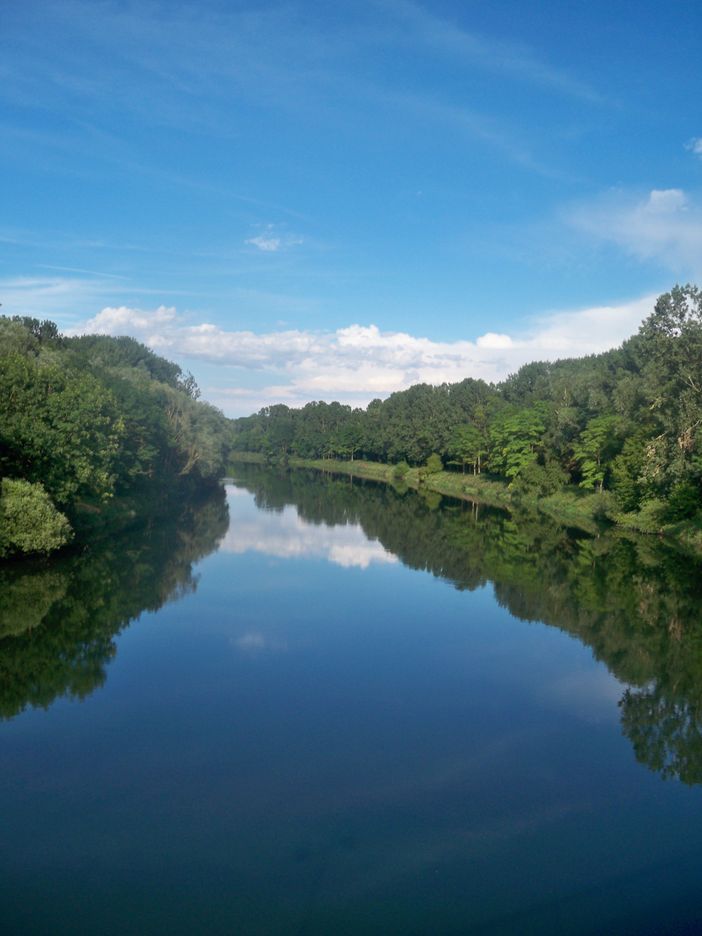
(93,431)
(625,422)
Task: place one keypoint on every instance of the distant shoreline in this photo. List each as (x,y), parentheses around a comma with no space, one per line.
(571,507)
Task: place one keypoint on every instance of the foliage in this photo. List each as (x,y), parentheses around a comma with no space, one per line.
(594,448)
(683,501)
(469,444)
(540,480)
(59,427)
(516,439)
(29,522)
(627,421)
(94,418)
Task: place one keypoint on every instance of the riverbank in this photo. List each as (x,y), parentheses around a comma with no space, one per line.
(576,509)
(570,507)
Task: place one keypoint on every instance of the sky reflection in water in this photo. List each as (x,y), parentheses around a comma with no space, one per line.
(320,739)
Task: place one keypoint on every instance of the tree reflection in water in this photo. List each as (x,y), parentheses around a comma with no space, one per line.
(59,618)
(635,602)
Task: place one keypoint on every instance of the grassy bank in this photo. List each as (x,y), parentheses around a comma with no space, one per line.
(570,507)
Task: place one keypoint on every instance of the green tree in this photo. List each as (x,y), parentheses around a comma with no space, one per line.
(469,445)
(669,347)
(59,427)
(516,439)
(594,448)
(29,521)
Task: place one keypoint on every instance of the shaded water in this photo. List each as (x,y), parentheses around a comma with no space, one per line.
(341,709)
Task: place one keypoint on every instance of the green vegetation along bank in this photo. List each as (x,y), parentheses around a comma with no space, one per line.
(95,432)
(624,427)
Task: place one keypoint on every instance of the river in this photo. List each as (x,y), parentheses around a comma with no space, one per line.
(325,706)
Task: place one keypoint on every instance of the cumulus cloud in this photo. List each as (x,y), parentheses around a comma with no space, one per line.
(356,363)
(121,320)
(665,226)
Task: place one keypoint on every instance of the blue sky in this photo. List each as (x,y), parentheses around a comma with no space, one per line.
(315,201)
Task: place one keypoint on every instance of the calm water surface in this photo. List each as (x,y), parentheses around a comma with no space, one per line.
(342,709)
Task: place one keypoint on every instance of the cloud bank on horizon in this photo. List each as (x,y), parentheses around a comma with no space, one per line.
(356,363)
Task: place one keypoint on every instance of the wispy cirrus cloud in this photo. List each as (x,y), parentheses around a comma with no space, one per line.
(44,296)
(358,362)
(486,53)
(267,244)
(272,240)
(171,66)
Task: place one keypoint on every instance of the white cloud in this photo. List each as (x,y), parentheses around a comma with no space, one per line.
(666,201)
(695,146)
(664,225)
(270,240)
(356,363)
(491,340)
(266,244)
(122,320)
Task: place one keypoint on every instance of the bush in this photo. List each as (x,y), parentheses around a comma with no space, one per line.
(650,517)
(29,521)
(434,464)
(683,501)
(539,480)
(399,472)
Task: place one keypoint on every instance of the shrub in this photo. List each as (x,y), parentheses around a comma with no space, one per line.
(683,501)
(399,472)
(434,464)
(29,521)
(651,516)
(539,480)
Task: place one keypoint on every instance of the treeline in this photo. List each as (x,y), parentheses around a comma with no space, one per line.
(626,421)
(93,422)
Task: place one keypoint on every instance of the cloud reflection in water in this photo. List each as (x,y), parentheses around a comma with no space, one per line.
(284,535)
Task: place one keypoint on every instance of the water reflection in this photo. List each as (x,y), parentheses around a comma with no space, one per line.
(284,534)
(634,602)
(58,619)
